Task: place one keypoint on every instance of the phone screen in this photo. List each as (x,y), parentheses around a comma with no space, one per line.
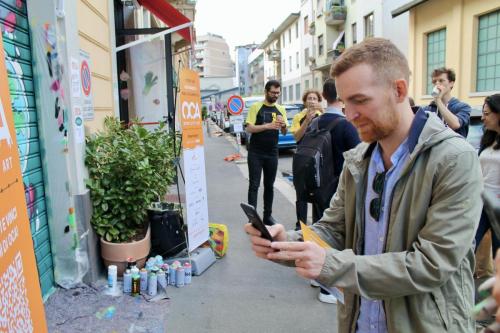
(256,221)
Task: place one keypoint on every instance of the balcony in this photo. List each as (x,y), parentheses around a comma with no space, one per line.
(336,15)
(274,55)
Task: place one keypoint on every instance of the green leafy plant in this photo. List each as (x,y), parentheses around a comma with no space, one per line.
(129,168)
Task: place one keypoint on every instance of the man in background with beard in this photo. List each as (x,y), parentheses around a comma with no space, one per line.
(402,221)
(264,121)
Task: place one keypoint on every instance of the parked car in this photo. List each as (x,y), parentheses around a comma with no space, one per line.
(476,129)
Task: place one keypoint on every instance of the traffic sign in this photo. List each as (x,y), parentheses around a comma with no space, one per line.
(235,104)
(85,77)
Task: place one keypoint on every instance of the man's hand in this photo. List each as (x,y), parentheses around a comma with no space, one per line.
(309,257)
(262,246)
(272,126)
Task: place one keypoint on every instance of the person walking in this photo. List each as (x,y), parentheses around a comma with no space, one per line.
(402,221)
(489,158)
(454,113)
(311,99)
(264,121)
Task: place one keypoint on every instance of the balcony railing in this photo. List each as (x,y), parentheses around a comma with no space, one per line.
(336,15)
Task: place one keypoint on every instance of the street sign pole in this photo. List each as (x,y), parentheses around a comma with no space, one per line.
(235,107)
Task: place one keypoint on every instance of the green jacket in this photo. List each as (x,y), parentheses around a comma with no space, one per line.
(424,277)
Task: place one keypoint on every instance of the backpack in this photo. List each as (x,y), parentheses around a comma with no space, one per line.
(313,169)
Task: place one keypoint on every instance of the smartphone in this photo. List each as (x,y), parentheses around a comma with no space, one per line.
(256,221)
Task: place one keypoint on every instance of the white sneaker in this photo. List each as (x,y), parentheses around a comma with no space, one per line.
(314,284)
(327,298)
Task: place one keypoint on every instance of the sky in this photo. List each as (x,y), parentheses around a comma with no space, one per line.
(242,22)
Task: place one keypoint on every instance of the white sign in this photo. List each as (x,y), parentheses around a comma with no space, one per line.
(75,78)
(196,196)
(86,86)
(237,122)
(79,129)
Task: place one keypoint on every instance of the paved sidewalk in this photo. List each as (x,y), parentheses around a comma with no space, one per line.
(239,293)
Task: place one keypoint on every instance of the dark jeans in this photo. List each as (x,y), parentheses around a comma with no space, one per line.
(484,225)
(258,164)
(319,207)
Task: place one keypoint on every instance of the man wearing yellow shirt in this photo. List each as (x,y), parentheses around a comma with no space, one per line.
(264,121)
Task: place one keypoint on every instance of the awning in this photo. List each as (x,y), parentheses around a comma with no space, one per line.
(168,14)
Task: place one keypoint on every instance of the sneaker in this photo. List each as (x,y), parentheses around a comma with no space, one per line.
(326,297)
(314,284)
(269,220)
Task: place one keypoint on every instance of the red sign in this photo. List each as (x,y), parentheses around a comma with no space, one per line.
(85,76)
(235,105)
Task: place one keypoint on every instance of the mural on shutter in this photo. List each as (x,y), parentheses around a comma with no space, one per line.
(15,31)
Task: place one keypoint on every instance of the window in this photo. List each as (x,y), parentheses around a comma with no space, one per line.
(369,25)
(284,66)
(284,94)
(319,6)
(290,62)
(290,93)
(283,40)
(306,25)
(354,31)
(306,56)
(488,52)
(297,59)
(297,29)
(316,83)
(289,35)
(306,84)
(321,46)
(297,90)
(436,52)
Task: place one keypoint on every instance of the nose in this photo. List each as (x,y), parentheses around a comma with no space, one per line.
(350,114)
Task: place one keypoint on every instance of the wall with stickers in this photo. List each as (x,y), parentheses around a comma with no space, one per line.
(18,57)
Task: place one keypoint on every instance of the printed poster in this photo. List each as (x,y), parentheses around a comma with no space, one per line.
(189,113)
(20,295)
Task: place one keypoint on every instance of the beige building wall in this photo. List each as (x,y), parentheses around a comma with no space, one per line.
(94,36)
(460,18)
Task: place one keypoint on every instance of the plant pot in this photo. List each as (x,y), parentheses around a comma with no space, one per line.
(118,253)
(167,229)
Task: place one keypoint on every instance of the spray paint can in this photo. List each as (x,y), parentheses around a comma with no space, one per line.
(166,269)
(136,284)
(171,276)
(187,273)
(162,278)
(112,276)
(134,270)
(158,260)
(179,277)
(127,281)
(152,284)
(144,279)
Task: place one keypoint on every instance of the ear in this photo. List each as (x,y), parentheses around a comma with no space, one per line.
(401,90)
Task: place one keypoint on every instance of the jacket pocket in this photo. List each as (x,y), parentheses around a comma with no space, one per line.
(440,302)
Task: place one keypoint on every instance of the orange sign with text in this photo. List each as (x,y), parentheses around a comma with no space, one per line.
(189,109)
(21,307)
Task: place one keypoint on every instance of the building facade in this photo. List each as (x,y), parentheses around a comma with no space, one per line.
(256,72)
(291,63)
(242,70)
(463,35)
(212,58)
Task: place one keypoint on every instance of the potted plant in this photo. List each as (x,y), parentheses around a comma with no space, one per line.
(129,168)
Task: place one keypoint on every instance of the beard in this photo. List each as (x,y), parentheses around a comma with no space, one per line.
(271,99)
(371,130)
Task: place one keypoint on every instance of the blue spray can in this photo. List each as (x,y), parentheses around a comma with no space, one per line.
(171,276)
(158,260)
(162,278)
(187,273)
(179,277)
(152,284)
(144,279)
(127,281)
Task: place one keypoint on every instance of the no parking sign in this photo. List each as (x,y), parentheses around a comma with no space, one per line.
(86,84)
(235,105)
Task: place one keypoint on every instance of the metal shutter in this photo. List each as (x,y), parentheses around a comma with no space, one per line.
(17,46)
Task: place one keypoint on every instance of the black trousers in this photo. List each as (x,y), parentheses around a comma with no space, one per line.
(318,206)
(268,165)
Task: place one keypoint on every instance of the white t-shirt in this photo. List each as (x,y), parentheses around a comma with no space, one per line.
(490,165)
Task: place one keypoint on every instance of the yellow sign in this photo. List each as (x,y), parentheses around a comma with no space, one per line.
(189,109)
(21,307)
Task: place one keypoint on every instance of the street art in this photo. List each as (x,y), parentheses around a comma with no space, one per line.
(56,72)
(150,80)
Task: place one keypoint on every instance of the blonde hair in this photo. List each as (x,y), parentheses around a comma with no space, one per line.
(385,59)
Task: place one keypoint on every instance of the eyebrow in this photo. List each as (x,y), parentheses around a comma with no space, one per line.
(353,97)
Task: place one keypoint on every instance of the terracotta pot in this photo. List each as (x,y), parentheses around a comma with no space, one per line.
(117,253)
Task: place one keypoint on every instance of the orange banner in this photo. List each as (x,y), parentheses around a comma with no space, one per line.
(21,307)
(189,109)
